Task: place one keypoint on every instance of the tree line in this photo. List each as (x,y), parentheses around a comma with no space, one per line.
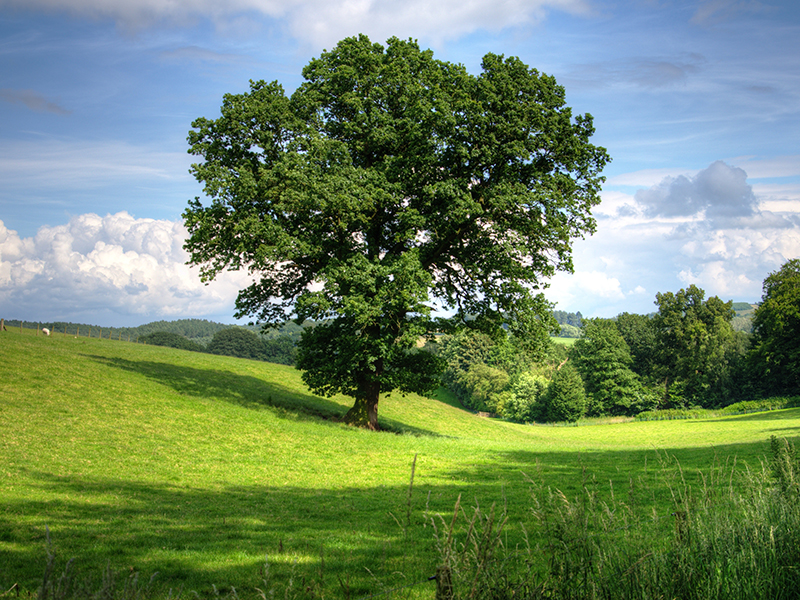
(276,345)
(686,354)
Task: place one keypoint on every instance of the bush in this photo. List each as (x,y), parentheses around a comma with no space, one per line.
(171,340)
(565,399)
(524,403)
(236,341)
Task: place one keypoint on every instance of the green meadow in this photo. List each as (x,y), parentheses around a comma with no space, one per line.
(219,473)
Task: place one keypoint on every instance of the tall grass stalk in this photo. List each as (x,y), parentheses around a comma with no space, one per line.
(735,536)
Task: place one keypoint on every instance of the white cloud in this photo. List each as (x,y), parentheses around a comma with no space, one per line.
(719,190)
(119,265)
(587,287)
(710,228)
(323,22)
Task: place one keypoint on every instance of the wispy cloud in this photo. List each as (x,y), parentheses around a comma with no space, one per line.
(716,11)
(322,22)
(33,101)
(63,164)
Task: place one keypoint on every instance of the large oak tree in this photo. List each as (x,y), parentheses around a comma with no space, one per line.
(388,183)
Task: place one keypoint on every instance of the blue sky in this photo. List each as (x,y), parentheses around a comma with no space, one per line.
(697,102)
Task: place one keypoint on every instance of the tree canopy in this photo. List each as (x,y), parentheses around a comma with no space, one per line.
(776,330)
(388,183)
(603,359)
(695,344)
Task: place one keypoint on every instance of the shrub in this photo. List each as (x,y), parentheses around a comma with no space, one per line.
(236,341)
(565,399)
(171,340)
(524,403)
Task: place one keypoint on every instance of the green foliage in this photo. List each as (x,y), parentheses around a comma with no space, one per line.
(775,354)
(696,347)
(171,340)
(569,331)
(639,333)
(570,323)
(732,540)
(674,414)
(391,179)
(236,341)
(760,405)
(525,403)
(470,356)
(279,350)
(565,399)
(482,385)
(603,359)
(197,466)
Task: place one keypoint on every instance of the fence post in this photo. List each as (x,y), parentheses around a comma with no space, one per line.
(444,583)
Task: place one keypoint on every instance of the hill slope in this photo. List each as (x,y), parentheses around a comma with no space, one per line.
(199,466)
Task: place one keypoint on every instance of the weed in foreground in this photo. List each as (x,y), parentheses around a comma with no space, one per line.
(736,537)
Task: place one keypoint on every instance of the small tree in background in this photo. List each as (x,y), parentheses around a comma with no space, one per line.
(565,399)
(775,352)
(603,360)
(695,346)
(526,401)
(236,341)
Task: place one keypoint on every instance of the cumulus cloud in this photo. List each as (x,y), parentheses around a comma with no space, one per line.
(718,191)
(117,264)
(324,22)
(569,289)
(709,227)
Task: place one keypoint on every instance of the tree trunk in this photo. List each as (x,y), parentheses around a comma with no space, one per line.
(365,410)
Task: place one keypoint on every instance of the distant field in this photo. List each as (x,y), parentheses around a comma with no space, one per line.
(200,466)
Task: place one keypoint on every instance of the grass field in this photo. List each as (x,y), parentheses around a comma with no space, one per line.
(199,467)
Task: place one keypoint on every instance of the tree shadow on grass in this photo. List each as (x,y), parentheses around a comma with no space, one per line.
(246,391)
(356,541)
(776,416)
(201,539)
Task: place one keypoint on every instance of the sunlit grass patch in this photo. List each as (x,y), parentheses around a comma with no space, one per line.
(203,468)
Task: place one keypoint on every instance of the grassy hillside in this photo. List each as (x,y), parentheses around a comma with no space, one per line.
(197,466)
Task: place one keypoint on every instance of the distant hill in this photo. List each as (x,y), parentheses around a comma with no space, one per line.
(200,331)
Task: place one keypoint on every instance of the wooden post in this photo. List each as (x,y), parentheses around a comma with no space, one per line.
(2,324)
(444,583)
(37,329)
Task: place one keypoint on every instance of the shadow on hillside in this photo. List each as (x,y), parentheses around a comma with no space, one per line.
(221,536)
(246,391)
(776,417)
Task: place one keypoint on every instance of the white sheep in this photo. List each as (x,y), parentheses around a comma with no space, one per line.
(45,331)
